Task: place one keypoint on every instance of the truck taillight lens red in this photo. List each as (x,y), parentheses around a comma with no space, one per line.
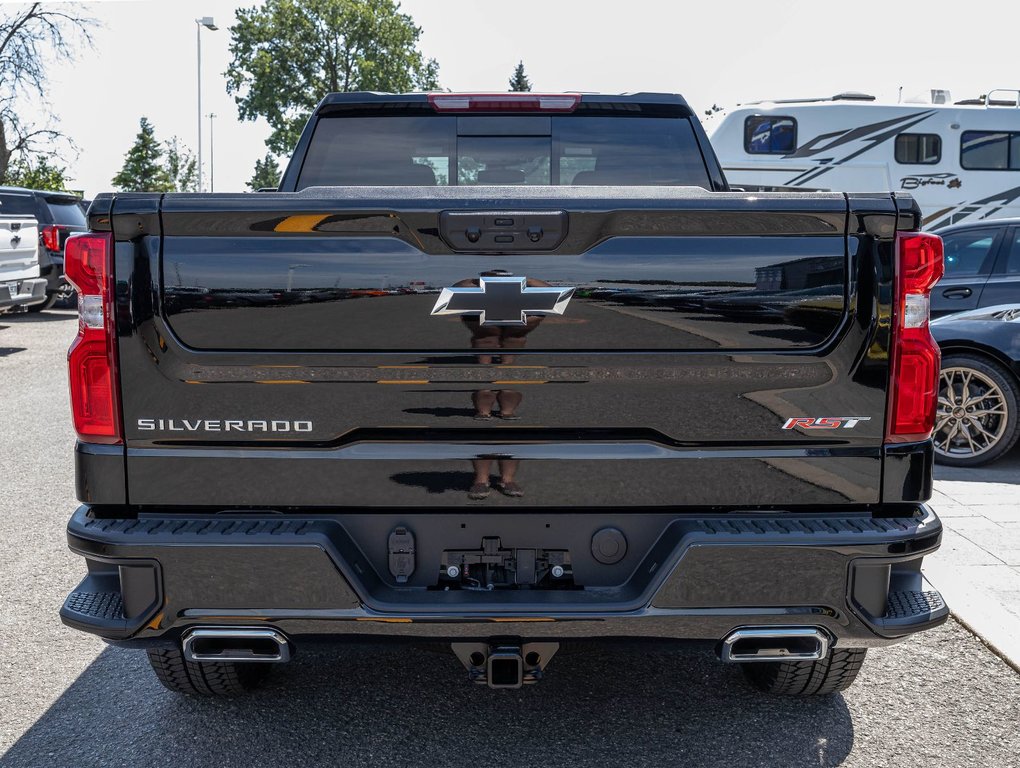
(92,358)
(51,238)
(914,358)
(504,102)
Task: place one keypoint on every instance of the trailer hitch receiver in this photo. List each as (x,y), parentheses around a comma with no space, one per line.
(505,665)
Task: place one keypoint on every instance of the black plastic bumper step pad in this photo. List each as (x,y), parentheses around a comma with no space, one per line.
(907,605)
(108,606)
(910,609)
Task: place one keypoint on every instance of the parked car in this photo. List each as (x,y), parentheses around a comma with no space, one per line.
(59,215)
(979,390)
(20,283)
(982,266)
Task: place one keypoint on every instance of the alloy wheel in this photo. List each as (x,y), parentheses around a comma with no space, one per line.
(971,416)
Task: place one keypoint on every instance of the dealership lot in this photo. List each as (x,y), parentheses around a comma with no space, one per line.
(941,698)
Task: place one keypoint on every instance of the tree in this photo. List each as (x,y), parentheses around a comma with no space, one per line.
(287,54)
(30,38)
(181,166)
(143,169)
(520,81)
(43,175)
(267,174)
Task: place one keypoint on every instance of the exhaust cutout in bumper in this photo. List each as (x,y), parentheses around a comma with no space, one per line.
(236,644)
(775,644)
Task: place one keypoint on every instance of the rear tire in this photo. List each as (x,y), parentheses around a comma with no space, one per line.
(208,678)
(836,672)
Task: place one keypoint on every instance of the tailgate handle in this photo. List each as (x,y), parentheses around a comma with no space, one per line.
(503,231)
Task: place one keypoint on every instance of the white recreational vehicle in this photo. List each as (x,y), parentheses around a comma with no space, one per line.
(960,161)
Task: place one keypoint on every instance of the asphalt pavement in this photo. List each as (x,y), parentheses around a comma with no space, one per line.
(939,699)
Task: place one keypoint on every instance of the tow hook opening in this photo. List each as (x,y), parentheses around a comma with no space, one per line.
(236,644)
(505,664)
(775,644)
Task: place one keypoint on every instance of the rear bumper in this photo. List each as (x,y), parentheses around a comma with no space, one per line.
(855,575)
(29,291)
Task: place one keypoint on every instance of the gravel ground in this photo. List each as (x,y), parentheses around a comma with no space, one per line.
(940,699)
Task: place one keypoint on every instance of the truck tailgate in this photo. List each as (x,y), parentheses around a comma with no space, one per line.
(19,257)
(327,348)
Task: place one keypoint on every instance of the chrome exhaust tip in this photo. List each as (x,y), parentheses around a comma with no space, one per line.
(775,644)
(235,644)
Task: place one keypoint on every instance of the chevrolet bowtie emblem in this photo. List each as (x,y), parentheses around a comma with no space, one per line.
(503,301)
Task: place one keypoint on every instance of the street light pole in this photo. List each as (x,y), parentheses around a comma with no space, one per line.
(208,23)
(212,157)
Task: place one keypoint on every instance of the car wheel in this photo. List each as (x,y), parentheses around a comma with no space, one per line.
(51,299)
(976,421)
(207,678)
(836,672)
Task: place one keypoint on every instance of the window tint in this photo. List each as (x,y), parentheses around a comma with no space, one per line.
(66,211)
(967,253)
(1013,262)
(16,205)
(918,148)
(990,150)
(770,135)
(373,151)
(503,160)
(603,151)
(576,149)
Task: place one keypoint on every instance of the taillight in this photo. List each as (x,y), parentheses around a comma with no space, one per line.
(503,102)
(92,358)
(914,358)
(51,238)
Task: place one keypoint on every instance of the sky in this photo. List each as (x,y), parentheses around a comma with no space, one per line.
(722,52)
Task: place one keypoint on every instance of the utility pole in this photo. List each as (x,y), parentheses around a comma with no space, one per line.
(212,157)
(208,23)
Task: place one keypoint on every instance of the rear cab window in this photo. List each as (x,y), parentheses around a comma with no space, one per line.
(770,135)
(66,211)
(526,150)
(14,204)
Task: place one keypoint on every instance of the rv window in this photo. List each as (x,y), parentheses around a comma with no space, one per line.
(770,135)
(967,253)
(918,148)
(990,151)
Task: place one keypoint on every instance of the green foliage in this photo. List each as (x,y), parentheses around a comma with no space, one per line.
(181,166)
(150,166)
(143,169)
(519,81)
(288,54)
(33,37)
(42,175)
(267,174)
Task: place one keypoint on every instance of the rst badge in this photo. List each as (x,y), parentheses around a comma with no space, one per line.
(825,422)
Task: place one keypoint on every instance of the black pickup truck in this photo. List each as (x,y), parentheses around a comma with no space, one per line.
(502,372)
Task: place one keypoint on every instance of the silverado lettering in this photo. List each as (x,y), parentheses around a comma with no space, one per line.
(225,425)
(547,352)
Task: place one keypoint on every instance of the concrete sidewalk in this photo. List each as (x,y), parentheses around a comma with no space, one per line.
(977,569)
